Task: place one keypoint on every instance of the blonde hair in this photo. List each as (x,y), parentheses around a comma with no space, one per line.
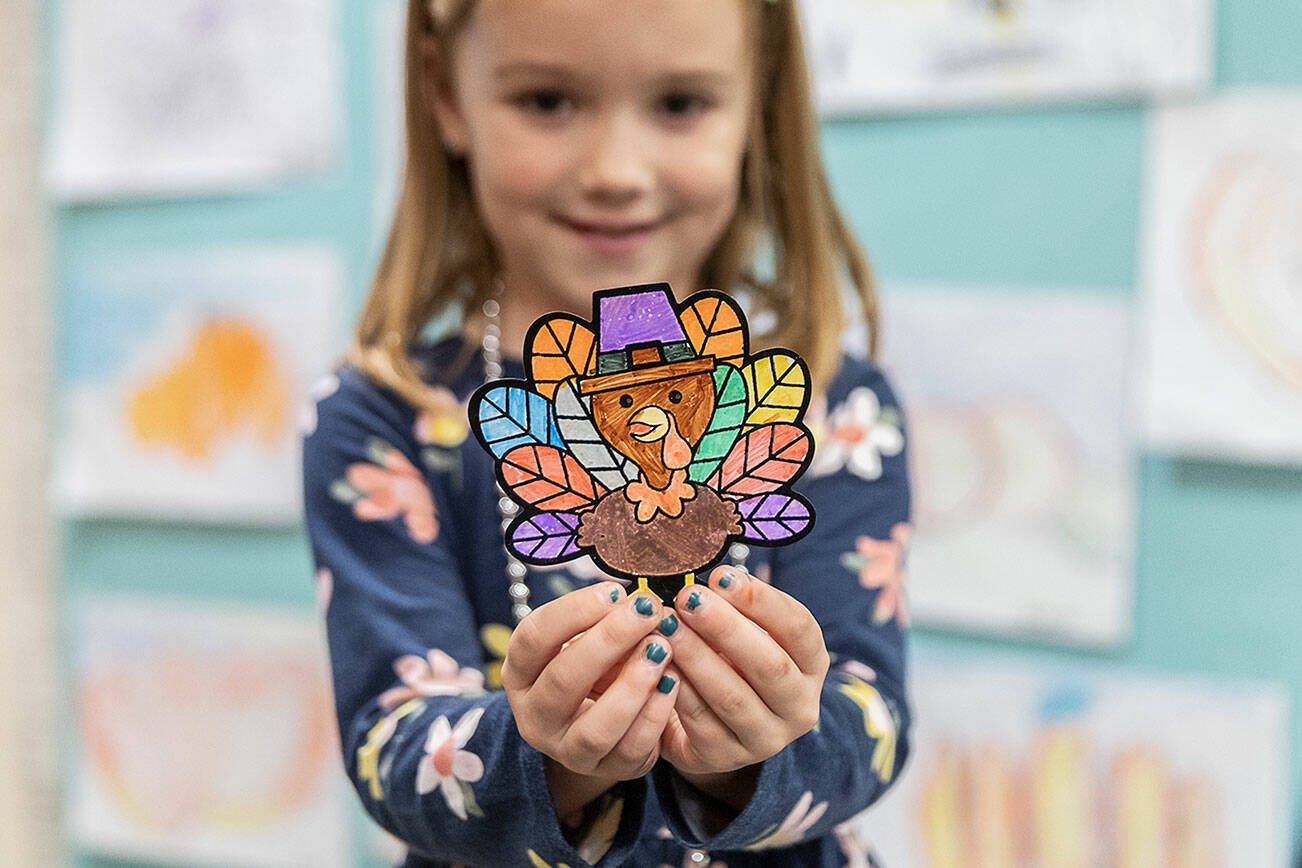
(439,255)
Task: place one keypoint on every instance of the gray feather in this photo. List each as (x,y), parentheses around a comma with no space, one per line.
(584,441)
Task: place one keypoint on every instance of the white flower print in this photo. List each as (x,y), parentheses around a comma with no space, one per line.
(324,388)
(436,674)
(448,767)
(792,830)
(856,435)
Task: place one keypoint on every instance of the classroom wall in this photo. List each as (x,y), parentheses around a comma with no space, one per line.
(1036,197)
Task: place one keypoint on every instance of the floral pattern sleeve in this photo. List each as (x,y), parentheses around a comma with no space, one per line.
(849,572)
(433,754)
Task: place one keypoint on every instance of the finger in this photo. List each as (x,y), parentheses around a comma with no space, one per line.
(604,682)
(639,749)
(574,672)
(594,733)
(753,652)
(697,717)
(728,695)
(538,638)
(782,616)
(692,727)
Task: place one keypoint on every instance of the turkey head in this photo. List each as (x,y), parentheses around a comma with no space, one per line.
(657,423)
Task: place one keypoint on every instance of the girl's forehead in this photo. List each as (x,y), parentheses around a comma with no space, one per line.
(667,36)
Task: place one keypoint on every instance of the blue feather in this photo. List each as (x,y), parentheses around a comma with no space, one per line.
(508,416)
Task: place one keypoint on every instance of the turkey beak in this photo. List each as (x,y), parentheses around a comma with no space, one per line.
(649,425)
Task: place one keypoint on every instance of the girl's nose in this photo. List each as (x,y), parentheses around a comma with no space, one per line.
(618,167)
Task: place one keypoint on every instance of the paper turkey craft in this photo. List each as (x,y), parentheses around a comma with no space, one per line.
(648,439)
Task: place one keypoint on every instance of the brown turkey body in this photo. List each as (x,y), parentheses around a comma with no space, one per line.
(663,546)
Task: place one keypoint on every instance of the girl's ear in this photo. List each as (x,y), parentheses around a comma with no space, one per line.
(439,93)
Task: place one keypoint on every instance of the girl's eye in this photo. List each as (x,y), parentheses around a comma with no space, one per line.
(543,102)
(683,104)
(626,401)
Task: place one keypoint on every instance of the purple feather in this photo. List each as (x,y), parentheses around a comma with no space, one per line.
(769,518)
(546,537)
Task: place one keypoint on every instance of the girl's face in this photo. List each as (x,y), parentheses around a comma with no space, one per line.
(604,140)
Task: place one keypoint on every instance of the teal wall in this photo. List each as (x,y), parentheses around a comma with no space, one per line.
(1035,197)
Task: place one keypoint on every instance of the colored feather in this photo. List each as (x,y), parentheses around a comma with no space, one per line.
(548,479)
(574,419)
(771,518)
(508,415)
(559,347)
(546,537)
(725,424)
(777,384)
(714,325)
(763,460)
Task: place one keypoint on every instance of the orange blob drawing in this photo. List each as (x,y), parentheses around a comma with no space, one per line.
(226,381)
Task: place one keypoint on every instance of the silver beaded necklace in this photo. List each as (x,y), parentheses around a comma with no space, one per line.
(507,509)
(516,571)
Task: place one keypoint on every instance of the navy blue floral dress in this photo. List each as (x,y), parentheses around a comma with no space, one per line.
(401,512)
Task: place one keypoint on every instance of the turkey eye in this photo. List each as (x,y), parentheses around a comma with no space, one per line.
(626,401)
(675,396)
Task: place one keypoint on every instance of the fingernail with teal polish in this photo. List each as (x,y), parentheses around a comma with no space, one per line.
(666,683)
(655,652)
(644,606)
(725,580)
(614,594)
(693,600)
(668,624)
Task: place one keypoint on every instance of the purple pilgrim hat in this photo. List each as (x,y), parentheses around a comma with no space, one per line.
(640,339)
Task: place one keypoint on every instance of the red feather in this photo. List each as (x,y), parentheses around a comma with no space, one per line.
(549,479)
(763,460)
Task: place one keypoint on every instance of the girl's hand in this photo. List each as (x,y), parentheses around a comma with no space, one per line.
(549,675)
(753,664)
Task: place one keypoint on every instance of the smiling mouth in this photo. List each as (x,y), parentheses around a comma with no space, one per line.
(610,230)
(611,241)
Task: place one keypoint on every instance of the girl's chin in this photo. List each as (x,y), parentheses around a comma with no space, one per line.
(579,286)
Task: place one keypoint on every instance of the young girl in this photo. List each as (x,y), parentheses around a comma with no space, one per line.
(554,148)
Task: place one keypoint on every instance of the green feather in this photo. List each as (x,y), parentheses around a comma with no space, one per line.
(725,425)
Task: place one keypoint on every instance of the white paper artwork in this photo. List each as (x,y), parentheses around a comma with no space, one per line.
(183,378)
(1021,458)
(1018,764)
(1222,279)
(205,735)
(168,97)
(892,55)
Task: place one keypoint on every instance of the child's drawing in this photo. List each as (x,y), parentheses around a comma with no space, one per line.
(183,379)
(163,97)
(1022,447)
(649,438)
(1024,765)
(890,55)
(204,735)
(1223,267)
